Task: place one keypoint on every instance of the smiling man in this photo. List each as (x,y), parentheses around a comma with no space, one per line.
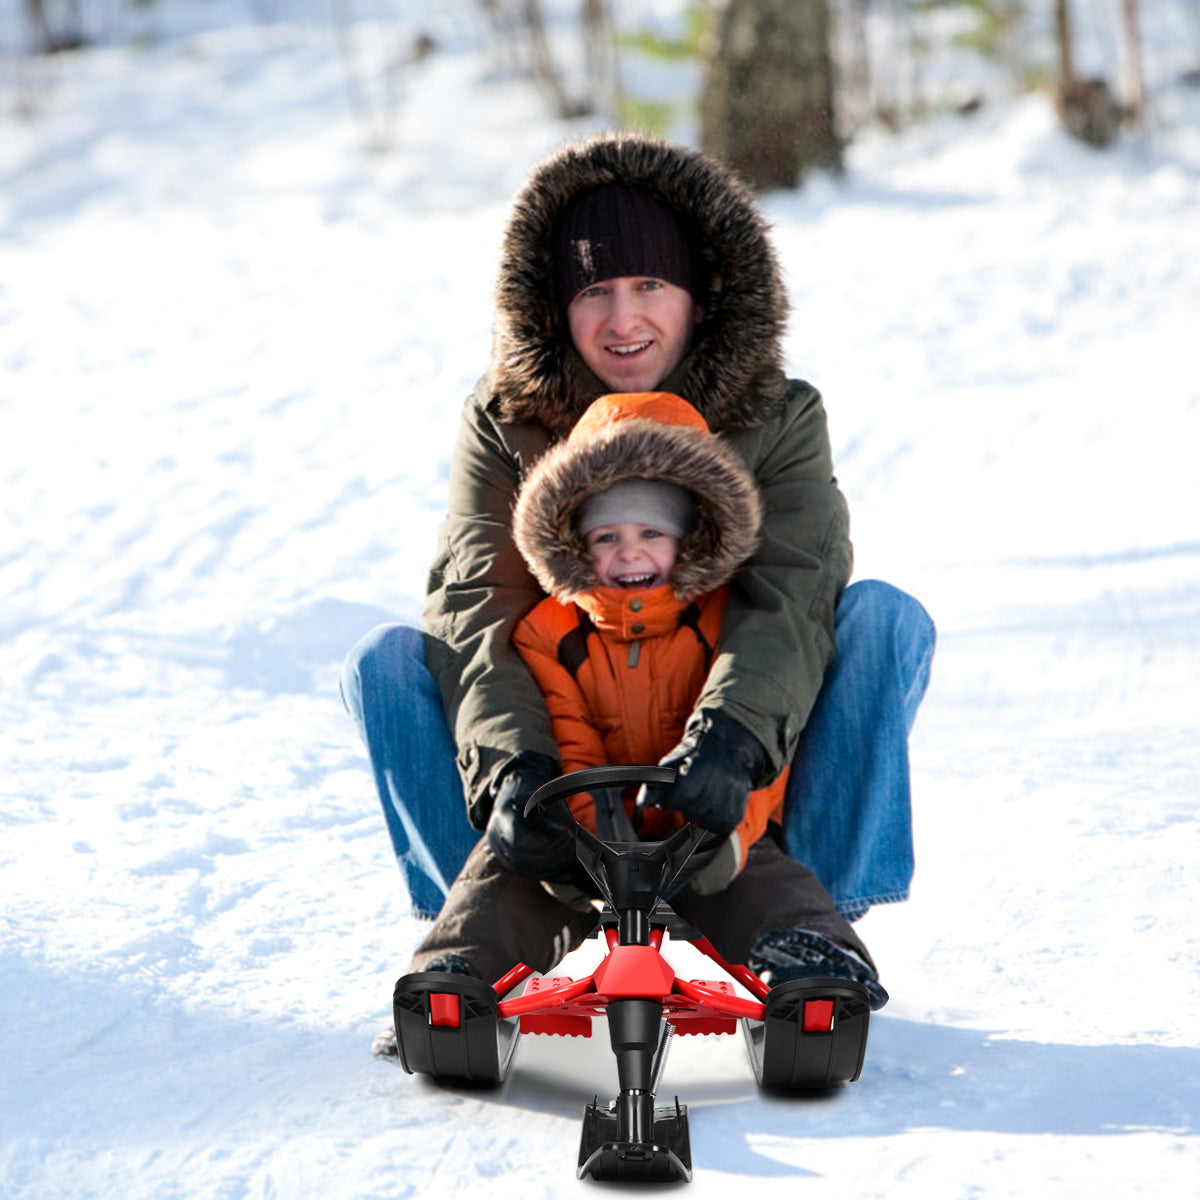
(630,278)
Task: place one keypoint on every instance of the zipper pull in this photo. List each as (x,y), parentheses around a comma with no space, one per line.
(635,652)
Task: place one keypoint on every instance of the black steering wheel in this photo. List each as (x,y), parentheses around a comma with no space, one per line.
(596,777)
(623,775)
(632,876)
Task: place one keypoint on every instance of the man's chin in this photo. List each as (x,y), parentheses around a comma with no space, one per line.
(642,377)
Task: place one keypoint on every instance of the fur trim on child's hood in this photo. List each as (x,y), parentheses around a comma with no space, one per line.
(638,435)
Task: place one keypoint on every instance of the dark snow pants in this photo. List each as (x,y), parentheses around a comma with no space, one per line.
(492,919)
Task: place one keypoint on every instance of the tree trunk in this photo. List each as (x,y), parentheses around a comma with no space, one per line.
(53,28)
(1066,43)
(599,57)
(1131,12)
(855,93)
(1085,106)
(767,107)
(545,69)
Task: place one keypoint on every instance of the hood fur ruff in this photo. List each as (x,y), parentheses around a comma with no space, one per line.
(733,375)
(623,444)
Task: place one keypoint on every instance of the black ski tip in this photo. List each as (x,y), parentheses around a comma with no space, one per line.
(665,1158)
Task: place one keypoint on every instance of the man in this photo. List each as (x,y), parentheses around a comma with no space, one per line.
(630,264)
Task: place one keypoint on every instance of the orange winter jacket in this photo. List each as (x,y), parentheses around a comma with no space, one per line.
(621,670)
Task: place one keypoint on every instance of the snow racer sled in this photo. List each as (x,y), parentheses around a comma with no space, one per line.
(809,1033)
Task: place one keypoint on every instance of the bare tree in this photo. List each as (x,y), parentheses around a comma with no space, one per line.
(519,28)
(1064,32)
(599,54)
(54,25)
(545,68)
(1131,18)
(855,76)
(767,106)
(375,69)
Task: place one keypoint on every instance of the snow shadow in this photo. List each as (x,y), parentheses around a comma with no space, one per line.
(920,1075)
(917,1076)
(122,1090)
(95,1060)
(297,652)
(288,652)
(93,1056)
(1134,556)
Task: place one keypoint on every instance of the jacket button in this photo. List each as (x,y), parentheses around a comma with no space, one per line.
(635,605)
(638,628)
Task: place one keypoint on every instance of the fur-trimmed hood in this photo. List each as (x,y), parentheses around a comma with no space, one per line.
(733,374)
(638,435)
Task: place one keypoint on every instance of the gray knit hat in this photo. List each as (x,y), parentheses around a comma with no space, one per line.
(653,502)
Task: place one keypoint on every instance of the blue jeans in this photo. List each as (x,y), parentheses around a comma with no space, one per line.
(848,811)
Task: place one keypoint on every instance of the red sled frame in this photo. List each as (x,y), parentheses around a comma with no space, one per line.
(807,1034)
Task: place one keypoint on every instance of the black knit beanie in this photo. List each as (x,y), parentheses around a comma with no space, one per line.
(615,230)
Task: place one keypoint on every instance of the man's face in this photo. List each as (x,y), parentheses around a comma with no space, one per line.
(632,331)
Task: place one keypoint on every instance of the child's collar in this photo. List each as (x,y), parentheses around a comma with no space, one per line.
(629,614)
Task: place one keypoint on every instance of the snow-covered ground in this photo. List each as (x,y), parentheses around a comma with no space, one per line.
(233,346)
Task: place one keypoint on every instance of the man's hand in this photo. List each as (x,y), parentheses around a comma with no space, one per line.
(537,847)
(717,762)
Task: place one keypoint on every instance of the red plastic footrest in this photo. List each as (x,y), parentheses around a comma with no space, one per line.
(701,1021)
(560,1024)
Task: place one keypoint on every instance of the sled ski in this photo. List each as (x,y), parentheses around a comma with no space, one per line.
(449,1026)
(813,1034)
(661,1154)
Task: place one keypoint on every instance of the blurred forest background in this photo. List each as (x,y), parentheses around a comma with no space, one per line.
(776,88)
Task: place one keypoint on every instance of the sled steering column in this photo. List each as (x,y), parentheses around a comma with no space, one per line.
(630,1139)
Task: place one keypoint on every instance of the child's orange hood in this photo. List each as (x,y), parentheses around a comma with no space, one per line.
(638,435)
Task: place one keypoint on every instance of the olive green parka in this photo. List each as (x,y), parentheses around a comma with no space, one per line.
(777,630)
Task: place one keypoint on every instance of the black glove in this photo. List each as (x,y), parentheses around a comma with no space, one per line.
(537,847)
(717,762)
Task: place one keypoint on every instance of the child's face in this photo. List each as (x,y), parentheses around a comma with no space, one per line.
(629,555)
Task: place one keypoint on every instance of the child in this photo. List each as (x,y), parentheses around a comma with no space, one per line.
(635,526)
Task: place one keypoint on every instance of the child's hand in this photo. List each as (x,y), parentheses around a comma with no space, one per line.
(717,762)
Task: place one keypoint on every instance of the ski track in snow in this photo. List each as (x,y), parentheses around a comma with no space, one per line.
(232,351)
